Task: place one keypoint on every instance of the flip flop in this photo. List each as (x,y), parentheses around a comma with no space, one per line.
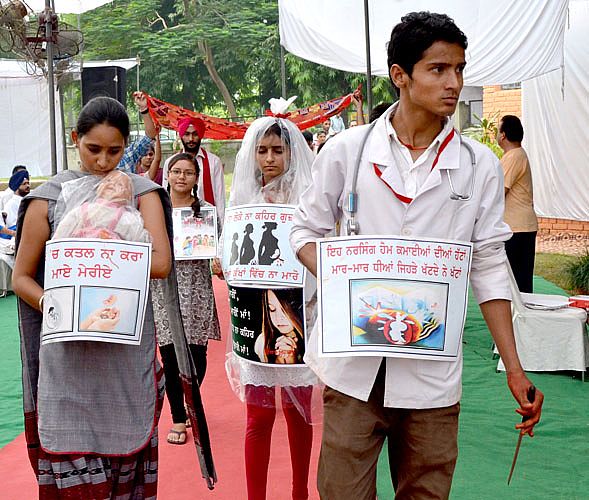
(179,434)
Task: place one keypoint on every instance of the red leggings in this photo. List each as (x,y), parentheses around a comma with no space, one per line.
(261,413)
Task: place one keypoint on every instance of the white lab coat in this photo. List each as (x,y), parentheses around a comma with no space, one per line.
(410,383)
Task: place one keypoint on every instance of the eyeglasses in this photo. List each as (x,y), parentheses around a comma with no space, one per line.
(185,173)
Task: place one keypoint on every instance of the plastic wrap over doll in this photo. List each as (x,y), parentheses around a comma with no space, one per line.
(99,207)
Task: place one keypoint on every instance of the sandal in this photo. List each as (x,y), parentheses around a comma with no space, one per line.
(179,435)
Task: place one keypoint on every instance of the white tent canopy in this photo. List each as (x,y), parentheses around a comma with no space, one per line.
(509,40)
(68,6)
(556,127)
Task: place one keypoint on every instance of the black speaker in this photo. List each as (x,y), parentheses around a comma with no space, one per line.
(109,81)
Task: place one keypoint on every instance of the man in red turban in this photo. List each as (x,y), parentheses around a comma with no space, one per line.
(211,181)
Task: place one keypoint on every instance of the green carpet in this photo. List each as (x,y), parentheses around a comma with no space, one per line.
(552,465)
(11,416)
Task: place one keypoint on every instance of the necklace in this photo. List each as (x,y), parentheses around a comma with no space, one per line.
(410,147)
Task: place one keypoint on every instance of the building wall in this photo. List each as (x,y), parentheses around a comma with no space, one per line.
(501,102)
(560,226)
(498,102)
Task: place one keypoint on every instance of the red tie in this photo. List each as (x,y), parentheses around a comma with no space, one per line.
(207,185)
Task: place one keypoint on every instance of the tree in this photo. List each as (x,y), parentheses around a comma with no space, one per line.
(220,57)
(192,51)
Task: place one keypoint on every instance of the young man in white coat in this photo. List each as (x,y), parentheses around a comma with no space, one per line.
(403,189)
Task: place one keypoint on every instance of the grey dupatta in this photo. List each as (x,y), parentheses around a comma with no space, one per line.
(99,398)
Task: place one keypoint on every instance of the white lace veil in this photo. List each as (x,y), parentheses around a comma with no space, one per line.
(247,186)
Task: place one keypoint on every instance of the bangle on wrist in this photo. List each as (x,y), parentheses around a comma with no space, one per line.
(144,111)
(41,299)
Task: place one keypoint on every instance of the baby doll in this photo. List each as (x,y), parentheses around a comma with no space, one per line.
(110,215)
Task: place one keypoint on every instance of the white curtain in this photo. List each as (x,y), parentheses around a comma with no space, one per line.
(557,128)
(509,40)
(24,135)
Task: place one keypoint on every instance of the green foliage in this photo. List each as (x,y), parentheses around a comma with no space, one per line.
(578,274)
(170,35)
(486,133)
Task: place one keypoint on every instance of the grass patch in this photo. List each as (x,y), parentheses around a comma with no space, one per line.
(552,267)
(228,179)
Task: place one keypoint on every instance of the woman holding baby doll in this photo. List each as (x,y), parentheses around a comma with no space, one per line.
(91,408)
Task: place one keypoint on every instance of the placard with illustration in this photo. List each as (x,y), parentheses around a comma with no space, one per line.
(195,237)
(256,247)
(268,325)
(95,290)
(389,296)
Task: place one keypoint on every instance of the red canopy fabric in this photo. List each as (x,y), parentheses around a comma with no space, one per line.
(168,115)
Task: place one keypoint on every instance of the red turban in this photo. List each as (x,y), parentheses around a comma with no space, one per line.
(197,123)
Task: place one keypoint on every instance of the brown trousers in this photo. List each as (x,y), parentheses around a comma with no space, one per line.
(422,447)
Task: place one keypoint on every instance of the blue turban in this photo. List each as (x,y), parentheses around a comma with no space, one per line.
(17,179)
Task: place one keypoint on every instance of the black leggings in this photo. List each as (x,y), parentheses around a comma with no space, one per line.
(173,384)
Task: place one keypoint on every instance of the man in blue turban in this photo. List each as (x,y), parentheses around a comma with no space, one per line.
(19,184)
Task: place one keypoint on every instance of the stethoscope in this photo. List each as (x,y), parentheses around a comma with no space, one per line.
(352,208)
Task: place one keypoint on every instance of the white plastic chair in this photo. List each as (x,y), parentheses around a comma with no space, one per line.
(549,336)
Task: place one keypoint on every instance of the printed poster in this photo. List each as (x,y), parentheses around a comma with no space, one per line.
(268,325)
(256,247)
(195,237)
(391,296)
(95,290)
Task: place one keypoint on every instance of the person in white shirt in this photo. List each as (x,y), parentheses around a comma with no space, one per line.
(7,193)
(211,181)
(414,403)
(19,184)
(337,124)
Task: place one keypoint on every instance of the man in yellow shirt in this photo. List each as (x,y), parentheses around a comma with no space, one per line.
(519,202)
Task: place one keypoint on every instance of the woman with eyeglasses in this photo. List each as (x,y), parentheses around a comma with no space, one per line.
(197,300)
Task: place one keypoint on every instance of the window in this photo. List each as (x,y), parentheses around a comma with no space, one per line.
(511,86)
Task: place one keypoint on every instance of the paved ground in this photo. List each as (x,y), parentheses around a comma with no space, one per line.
(565,243)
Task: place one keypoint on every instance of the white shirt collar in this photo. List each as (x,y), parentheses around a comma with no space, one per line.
(392,133)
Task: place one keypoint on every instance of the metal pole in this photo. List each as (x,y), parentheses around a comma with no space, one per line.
(138,89)
(282,72)
(368,63)
(63,140)
(50,84)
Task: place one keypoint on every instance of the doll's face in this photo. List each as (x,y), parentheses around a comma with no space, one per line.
(116,188)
